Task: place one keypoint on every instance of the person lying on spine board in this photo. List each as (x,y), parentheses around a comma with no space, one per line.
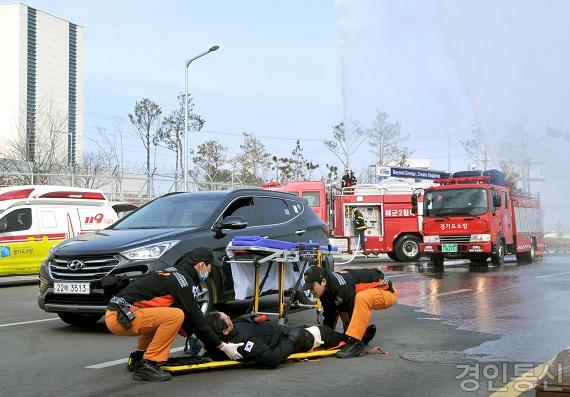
(267,343)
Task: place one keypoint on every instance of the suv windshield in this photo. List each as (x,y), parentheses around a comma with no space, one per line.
(471,201)
(178,210)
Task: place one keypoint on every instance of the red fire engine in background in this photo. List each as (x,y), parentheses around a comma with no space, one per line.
(392,228)
(475,215)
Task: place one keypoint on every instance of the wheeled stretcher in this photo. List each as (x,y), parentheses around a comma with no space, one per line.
(257,254)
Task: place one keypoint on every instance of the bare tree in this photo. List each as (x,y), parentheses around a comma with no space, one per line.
(172,131)
(146,121)
(520,155)
(30,157)
(476,149)
(93,170)
(386,140)
(343,146)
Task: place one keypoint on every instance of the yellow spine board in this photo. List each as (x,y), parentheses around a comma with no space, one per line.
(229,363)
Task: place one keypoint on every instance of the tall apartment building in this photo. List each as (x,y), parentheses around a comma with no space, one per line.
(41,82)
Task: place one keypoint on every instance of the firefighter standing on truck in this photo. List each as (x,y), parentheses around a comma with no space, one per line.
(360,227)
(351,294)
(156,306)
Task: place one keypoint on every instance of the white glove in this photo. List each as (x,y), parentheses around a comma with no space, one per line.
(231,350)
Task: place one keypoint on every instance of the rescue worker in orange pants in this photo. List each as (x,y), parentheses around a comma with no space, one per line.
(351,294)
(159,304)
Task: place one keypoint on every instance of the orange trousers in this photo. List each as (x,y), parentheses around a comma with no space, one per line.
(366,301)
(156,327)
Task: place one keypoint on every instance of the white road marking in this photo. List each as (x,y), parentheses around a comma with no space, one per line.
(124,360)
(429,318)
(29,322)
(454,292)
(552,275)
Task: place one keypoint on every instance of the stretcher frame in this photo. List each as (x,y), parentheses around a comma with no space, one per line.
(232,363)
(295,253)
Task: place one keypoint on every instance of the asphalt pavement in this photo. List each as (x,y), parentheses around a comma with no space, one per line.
(460,331)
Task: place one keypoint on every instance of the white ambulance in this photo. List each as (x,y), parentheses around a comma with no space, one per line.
(35,218)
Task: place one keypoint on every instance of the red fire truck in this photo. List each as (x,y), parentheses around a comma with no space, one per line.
(392,228)
(475,215)
(313,192)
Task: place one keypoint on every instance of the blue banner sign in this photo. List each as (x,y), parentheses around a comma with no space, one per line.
(400,172)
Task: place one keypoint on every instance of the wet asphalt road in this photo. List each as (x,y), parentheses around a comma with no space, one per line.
(460,331)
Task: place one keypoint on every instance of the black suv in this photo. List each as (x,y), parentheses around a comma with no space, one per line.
(159,235)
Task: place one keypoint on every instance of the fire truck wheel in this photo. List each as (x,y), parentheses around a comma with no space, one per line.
(407,248)
(532,252)
(478,261)
(498,258)
(392,256)
(436,260)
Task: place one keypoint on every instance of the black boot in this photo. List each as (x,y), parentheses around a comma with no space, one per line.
(354,348)
(134,360)
(369,334)
(150,371)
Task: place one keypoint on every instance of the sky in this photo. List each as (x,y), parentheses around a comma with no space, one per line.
(292,70)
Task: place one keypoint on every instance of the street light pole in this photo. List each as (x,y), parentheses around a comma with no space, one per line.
(185,154)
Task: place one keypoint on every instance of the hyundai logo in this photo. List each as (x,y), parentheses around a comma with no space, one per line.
(75,265)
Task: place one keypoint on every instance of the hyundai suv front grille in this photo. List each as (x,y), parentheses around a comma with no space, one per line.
(82,268)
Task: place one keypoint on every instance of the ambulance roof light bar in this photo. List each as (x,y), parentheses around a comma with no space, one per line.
(74,195)
(16,194)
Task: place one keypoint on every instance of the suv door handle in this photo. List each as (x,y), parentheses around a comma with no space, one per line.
(299,232)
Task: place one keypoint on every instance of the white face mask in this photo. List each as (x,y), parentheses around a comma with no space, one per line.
(203,276)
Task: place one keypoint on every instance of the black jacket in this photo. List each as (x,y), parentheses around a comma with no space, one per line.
(341,290)
(173,287)
(266,343)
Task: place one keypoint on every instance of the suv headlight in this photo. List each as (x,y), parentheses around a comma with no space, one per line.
(477,238)
(151,251)
(431,239)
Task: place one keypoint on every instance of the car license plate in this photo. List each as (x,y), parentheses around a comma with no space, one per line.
(71,288)
(449,248)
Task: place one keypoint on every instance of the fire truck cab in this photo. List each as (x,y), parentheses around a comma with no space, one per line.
(313,192)
(475,215)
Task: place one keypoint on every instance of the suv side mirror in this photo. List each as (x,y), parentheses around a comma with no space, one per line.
(231,222)
(414,203)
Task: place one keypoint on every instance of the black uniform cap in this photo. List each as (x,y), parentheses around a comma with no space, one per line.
(200,254)
(194,257)
(312,274)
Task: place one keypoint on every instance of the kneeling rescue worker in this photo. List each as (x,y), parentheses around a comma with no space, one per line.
(352,294)
(156,306)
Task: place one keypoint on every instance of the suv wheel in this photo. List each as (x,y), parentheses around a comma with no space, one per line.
(79,319)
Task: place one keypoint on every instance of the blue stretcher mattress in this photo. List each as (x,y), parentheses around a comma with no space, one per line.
(259,241)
